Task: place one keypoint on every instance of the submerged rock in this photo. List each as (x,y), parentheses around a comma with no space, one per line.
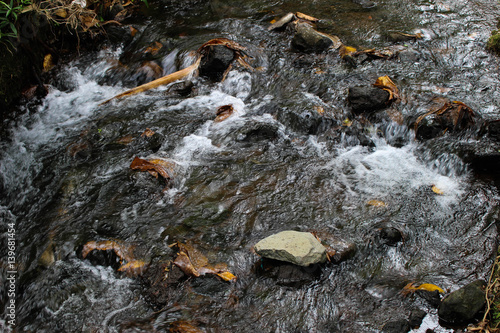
(462,305)
(416,318)
(288,274)
(306,39)
(396,326)
(299,248)
(367,98)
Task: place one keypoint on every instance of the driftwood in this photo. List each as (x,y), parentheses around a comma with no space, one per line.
(158,82)
(202,51)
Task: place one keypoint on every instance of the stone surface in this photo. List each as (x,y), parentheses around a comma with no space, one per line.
(288,274)
(367,98)
(299,248)
(462,305)
(416,317)
(306,39)
(396,326)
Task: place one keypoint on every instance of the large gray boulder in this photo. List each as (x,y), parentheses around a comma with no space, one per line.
(462,305)
(299,248)
(306,39)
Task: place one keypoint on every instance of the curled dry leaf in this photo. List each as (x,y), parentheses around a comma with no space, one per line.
(436,190)
(452,115)
(385,83)
(193,263)
(223,112)
(124,252)
(148,133)
(410,288)
(156,167)
(376,203)
(282,22)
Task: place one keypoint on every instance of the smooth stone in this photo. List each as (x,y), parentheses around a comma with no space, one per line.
(299,248)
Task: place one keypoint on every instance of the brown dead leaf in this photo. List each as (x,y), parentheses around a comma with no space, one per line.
(223,112)
(346,51)
(61,12)
(385,83)
(148,133)
(194,263)
(182,326)
(134,268)
(124,252)
(162,167)
(154,48)
(452,115)
(125,140)
(319,109)
(133,31)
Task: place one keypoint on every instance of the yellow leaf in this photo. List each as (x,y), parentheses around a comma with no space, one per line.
(61,12)
(410,288)
(48,62)
(347,122)
(376,203)
(436,190)
(226,276)
(385,83)
(272,21)
(346,51)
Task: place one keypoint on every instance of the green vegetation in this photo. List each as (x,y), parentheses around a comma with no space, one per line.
(9,13)
(494,42)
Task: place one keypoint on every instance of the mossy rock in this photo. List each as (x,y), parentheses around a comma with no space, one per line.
(494,42)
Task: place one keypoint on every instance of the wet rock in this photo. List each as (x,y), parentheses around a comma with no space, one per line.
(160,283)
(493,129)
(396,326)
(366,4)
(416,318)
(462,305)
(367,99)
(288,274)
(259,131)
(306,122)
(409,56)
(338,249)
(216,62)
(306,39)
(433,298)
(119,34)
(299,248)
(390,236)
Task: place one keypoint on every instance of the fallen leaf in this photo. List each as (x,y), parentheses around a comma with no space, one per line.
(347,122)
(133,31)
(153,48)
(385,83)
(182,326)
(376,203)
(124,252)
(320,109)
(410,288)
(162,167)
(346,51)
(194,263)
(61,12)
(452,115)
(282,22)
(125,140)
(273,21)
(226,276)
(134,267)
(223,112)
(436,190)
(148,133)
(48,62)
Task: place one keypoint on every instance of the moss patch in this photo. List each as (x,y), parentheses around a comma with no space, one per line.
(494,42)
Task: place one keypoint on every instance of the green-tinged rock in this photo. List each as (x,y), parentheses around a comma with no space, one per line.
(494,42)
(462,305)
(300,248)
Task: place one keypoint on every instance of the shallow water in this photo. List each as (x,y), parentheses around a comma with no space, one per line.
(66,177)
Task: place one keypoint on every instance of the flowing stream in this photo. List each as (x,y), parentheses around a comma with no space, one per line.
(275,164)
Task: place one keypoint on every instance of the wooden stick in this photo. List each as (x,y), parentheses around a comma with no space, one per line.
(158,82)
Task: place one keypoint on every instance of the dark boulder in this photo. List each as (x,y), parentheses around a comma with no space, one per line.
(287,274)
(396,326)
(463,305)
(215,63)
(367,99)
(258,131)
(306,122)
(306,39)
(416,317)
